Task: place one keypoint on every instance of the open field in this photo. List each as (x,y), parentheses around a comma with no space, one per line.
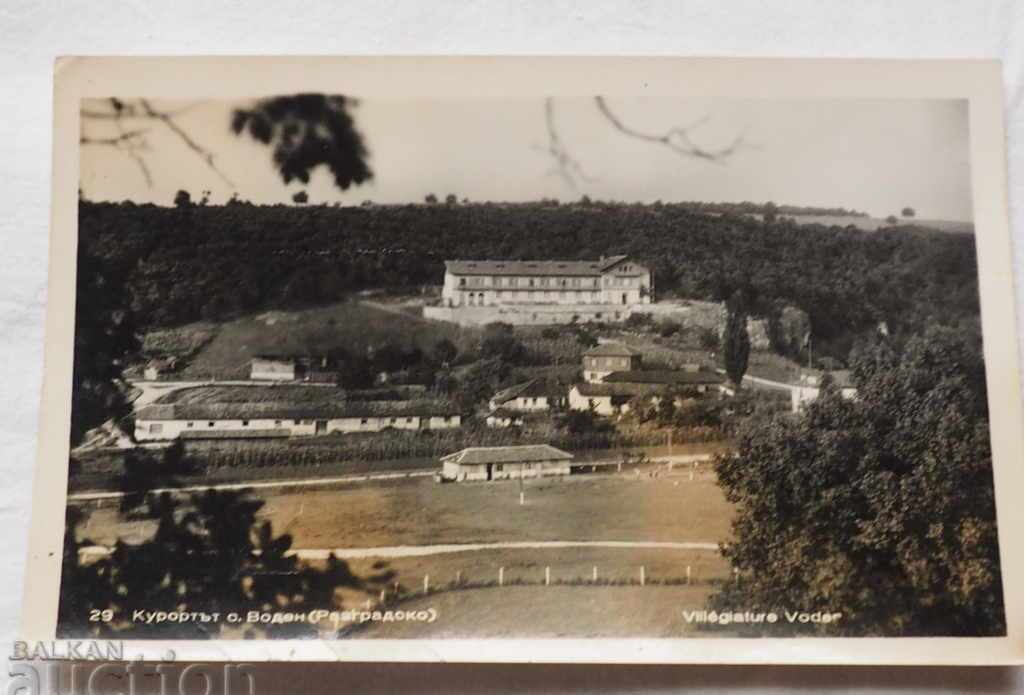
(352,326)
(550,612)
(625,507)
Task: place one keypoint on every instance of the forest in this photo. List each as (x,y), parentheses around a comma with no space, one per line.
(198,261)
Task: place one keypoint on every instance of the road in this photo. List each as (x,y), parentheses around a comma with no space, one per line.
(423,550)
(99,495)
(92,496)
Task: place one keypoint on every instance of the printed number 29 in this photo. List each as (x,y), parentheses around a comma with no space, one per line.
(98,616)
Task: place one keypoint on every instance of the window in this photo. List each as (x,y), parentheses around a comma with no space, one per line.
(156,428)
(528,466)
(277,423)
(498,467)
(462,282)
(210,424)
(363,421)
(189,424)
(392,421)
(409,419)
(245,423)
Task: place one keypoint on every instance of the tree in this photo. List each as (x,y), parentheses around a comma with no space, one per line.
(306,131)
(500,341)
(736,342)
(444,351)
(209,554)
(891,219)
(182,199)
(907,212)
(300,198)
(104,337)
(886,495)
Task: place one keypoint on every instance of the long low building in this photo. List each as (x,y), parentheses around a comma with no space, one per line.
(506,462)
(166,421)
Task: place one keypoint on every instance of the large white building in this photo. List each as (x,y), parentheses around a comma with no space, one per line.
(614,281)
(166,421)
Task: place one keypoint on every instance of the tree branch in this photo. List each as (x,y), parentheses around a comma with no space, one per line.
(677,139)
(203,153)
(566,165)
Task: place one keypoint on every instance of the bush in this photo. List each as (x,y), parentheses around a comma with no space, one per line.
(668,328)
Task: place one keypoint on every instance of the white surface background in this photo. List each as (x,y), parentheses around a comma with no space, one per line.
(32,34)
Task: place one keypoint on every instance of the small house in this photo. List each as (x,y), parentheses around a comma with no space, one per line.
(606,358)
(810,387)
(690,378)
(609,399)
(529,396)
(506,463)
(159,368)
(272,368)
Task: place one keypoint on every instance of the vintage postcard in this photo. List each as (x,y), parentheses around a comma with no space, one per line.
(530,359)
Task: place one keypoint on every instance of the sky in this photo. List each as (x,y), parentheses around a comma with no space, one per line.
(877,156)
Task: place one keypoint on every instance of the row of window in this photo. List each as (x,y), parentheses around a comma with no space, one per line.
(501,281)
(157,428)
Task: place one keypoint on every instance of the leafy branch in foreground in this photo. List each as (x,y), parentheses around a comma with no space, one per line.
(210,554)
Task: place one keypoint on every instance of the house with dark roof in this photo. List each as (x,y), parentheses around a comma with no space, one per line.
(605,358)
(505,462)
(261,420)
(614,281)
(529,396)
(691,377)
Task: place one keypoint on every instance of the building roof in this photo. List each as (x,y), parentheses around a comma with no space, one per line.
(296,411)
(666,377)
(611,350)
(508,454)
(630,390)
(539,268)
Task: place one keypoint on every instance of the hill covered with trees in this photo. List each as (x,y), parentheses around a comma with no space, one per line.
(196,261)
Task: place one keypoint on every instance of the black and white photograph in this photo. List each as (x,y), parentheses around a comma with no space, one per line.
(557,367)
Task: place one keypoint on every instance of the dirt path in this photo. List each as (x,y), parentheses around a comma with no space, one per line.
(444,549)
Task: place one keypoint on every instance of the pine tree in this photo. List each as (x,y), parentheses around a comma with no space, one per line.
(736,342)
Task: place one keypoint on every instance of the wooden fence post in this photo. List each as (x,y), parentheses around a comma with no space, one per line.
(548,575)
(501,576)
(594,573)
(427,583)
(642,575)
(688,575)
(459,576)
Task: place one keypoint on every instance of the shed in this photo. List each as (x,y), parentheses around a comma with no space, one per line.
(506,462)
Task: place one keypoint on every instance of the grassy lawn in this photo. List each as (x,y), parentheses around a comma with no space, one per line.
(419,511)
(353,326)
(551,612)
